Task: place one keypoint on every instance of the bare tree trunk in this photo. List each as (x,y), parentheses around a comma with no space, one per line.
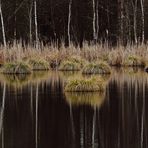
(142,15)
(97,17)
(135,21)
(36,25)
(120,18)
(30,22)
(94,21)
(3,28)
(69,21)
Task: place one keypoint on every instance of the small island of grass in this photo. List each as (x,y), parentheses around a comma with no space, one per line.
(85,85)
(16,68)
(69,66)
(96,68)
(39,64)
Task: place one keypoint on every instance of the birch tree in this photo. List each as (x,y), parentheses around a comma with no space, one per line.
(2,23)
(120,20)
(135,19)
(142,16)
(69,21)
(36,25)
(94,20)
(30,21)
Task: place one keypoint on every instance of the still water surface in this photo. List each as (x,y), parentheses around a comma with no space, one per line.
(36,113)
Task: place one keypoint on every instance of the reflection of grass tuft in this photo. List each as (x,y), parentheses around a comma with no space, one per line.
(16,68)
(89,98)
(85,85)
(97,68)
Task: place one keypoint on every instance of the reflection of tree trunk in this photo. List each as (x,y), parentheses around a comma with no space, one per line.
(72,122)
(3,145)
(31,103)
(93,130)
(2,108)
(36,117)
(81,130)
(142,117)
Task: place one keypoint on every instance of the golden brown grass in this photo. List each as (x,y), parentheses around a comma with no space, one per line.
(114,56)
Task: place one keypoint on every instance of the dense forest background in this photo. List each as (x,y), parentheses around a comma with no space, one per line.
(124,21)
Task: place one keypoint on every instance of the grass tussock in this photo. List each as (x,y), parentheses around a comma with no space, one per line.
(69,66)
(134,60)
(54,55)
(97,68)
(77,59)
(85,85)
(116,58)
(39,64)
(16,68)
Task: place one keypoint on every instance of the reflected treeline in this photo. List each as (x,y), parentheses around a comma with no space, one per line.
(41,115)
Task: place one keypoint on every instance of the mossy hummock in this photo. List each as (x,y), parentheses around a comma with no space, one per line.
(97,68)
(69,66)
(16,68)
(133,60)
(77,59)
(39,64)
(85,85)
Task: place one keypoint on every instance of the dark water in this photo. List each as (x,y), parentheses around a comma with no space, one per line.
(35,113)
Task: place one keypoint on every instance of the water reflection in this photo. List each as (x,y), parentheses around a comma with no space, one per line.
(40,114)
(94,99)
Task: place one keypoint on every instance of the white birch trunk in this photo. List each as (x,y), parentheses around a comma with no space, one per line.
(69,21)
(142,15)
(3,28)
(36,25)
(30,23)
(94,20)
(135,22)
(97,16)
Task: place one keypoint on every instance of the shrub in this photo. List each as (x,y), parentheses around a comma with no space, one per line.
(85,85)
(16,68)
(39,64)
(69,66)
(97,68)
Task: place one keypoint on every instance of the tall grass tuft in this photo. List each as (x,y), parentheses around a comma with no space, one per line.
(69,66)
(97,68)
(39,64)
(85,85)
(16,68)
